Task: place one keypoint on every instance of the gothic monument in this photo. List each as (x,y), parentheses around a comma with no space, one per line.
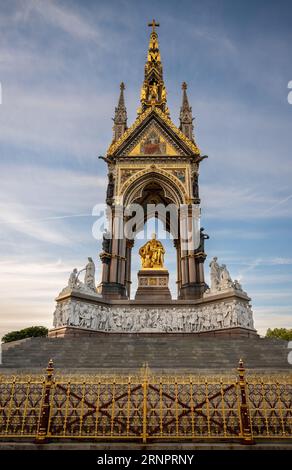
(153,163)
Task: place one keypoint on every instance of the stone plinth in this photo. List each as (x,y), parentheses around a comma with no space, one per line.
(74,331)
(153,283)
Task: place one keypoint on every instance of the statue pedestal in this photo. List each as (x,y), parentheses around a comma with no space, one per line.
(153,284)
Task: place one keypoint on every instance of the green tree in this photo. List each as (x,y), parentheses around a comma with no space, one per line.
(281,333)
(32,331)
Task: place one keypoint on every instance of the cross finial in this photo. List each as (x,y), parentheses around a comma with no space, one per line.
(153,25)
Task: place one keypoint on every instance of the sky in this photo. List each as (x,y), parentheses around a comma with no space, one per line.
(61,63)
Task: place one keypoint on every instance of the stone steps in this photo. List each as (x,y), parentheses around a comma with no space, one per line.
(125,351)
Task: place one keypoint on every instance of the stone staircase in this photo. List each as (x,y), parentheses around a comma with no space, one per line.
(131,351)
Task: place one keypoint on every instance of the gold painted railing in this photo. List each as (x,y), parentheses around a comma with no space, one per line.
(146,407)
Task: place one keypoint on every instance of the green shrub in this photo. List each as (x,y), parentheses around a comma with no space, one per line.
(32,331)
(281,333)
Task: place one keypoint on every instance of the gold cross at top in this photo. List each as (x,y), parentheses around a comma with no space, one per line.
(153,24)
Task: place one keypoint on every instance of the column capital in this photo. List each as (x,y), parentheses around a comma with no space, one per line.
(105,257)
(130,243)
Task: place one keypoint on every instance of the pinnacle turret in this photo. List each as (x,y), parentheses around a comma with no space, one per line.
(120,119)
(186,116)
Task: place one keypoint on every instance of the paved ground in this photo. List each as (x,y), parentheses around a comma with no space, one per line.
(136,446)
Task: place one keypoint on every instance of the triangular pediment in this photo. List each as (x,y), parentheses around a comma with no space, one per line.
(153,134)
(153,141)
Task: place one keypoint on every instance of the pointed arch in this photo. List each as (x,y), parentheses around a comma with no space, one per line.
(173,189)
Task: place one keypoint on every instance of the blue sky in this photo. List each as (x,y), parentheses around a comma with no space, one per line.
(61,63)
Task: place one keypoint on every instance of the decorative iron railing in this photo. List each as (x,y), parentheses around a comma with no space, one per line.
(146,407)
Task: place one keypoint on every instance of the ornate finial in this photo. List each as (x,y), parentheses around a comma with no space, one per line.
(120,119)
(50,368)
(186,117)
(50,363)
(240,364)
(153,24)
(153,91)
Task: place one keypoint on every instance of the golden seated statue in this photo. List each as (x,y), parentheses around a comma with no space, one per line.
(152,254)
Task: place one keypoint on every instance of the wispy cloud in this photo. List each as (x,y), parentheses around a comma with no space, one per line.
(28,288)
(272,317)
(42,211)
(233,202)
(269,279)
(54,120)
(277,204)
(214,39)
(231,232)
(253,265)
(16,218)
(66,19)
(270,296)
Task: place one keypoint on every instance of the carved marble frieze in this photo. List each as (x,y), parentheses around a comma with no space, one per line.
(179,319)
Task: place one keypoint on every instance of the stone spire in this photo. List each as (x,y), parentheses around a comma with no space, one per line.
(186,116)
(120,119)
(153,91)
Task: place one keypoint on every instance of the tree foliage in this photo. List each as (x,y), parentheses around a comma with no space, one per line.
(32,331)
(281,333)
